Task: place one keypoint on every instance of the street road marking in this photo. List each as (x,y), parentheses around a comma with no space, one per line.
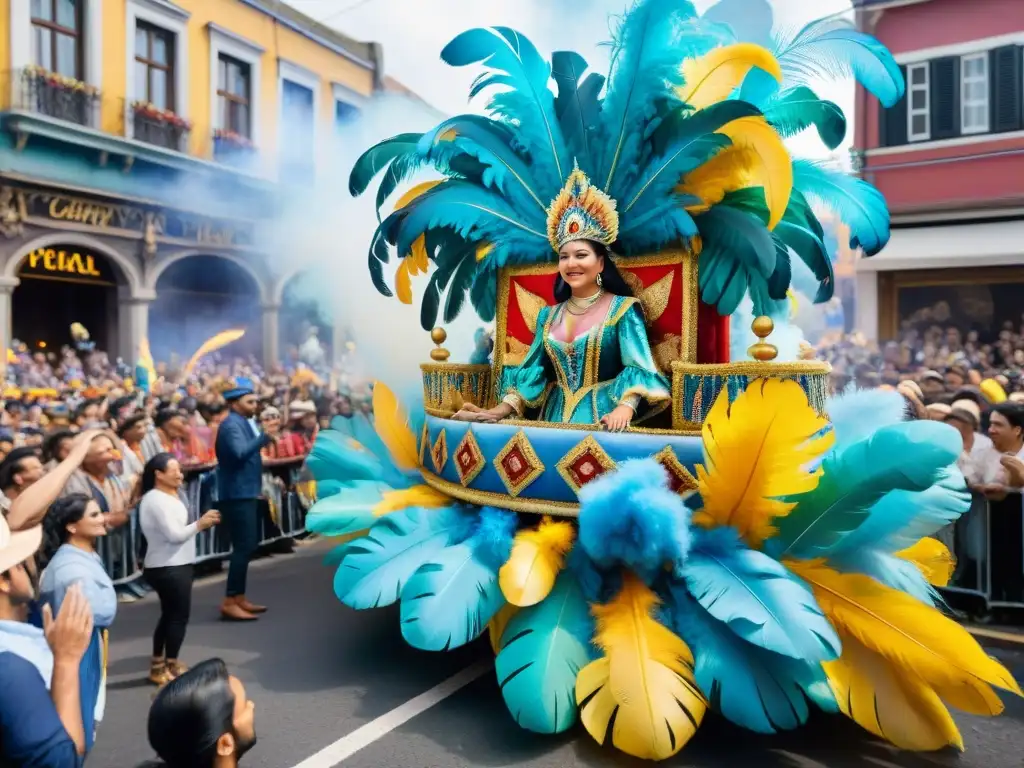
(997,635)
(348,745)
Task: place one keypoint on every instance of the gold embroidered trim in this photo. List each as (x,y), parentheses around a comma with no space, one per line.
(439,451)
(620,311)
(491,499)
(469,471)
(668,459)
(585,446)
(515,400)
(534,464)
(650,395)
(424,442)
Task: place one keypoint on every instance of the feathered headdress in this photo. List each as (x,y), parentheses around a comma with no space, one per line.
(582,212)
(684,134)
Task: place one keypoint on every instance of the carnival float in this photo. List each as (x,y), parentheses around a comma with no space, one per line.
(750,544)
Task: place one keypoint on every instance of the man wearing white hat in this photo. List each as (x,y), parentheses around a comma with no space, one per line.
(38,726)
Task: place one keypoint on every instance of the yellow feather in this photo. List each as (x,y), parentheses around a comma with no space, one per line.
(933,559)
(916,638)
(899,708)
(392,425)
(483,250)
(538,554)
(417,262)
(403,282)
(415,192)
(417,496)
(212,344)
(496,626)
(757,158)
(645,679)
(754,453)
(713,77)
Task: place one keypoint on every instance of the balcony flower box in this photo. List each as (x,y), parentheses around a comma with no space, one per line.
(160,127)
(59,96)
(232,148)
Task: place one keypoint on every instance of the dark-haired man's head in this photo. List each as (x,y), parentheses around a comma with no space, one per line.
(1006,427)
(57,445)
(202,719)
(133,428)
(171,422)
(87,413)
(19,470)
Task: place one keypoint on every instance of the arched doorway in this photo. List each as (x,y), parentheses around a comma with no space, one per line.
(198,297)
(61,284)
(306,304)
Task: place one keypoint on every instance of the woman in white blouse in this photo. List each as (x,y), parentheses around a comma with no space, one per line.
(169,560)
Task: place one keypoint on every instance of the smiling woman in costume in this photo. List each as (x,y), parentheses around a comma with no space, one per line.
(592,345)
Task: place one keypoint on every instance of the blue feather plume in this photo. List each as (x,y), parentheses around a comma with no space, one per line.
(738,250)
(577,105)
(757,598)
(858,204)
(858,413)
(334,456)
(377,566)
(542,650)
(888,569)
(346,512)
(854,480)
(452,596)
(528,103)
(800,108)
(630,517)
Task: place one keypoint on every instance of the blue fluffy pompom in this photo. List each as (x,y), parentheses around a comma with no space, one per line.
(631,517)
(493,536)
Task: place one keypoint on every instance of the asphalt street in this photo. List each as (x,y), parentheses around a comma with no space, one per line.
(319,671)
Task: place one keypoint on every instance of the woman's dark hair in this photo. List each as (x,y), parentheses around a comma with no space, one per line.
(129,423)
(611,279)
(52,443)
(165,415)
(157,464)
(62,513)
(190,714)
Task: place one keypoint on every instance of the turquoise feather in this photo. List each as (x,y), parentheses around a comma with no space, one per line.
(858,204)
(902,518)
(888,569)
(758,598)
(542,650)
(348,511)
(664,172)
(334,458)
(832,47)
(452,596)
(666,222)
(853,481)
(752,687)
(528,103)
(748,21)
(577,105)
(858,413)
(377,158)
(645,63)
(800,108)
(376,567)
(737,246)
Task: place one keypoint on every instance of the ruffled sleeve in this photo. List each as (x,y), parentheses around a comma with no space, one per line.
(640,377)
(525,385)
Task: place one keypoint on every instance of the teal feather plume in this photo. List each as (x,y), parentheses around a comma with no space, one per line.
(542,650)
(377,158)
(758,598)
(377,566)
(334,457)
(365,433)
(665,222)
(737,246)
(853,481)
(902,518)
(346,512)
(750,686)
(456,267)
(577,105)
(800,108)
(858,204)
(856,414)
(528,103)
(644,66)
(890,570)
(376,258)
(483,293)
(452,596)
(832,47)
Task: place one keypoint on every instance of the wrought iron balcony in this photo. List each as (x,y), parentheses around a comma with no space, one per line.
(160,128)
(62,98)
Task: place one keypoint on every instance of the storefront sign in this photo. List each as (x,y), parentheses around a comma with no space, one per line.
(152,224)
(66,263)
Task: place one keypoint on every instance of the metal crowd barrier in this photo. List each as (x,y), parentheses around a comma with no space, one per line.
(988,543)
(282,516)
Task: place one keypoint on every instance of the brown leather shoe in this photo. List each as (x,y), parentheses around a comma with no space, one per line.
(232,610)
(250,607)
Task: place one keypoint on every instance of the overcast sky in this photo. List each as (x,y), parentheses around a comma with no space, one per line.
(413,32)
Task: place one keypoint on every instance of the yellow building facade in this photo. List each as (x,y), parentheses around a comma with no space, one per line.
(108,107)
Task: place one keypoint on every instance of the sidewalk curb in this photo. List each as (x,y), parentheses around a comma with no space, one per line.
(1013,641)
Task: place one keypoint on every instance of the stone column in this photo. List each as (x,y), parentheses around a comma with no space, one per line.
(271,334)
(133,316)
(7,286)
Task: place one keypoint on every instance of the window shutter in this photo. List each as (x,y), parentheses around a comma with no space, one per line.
(1005,82)
(945,106)
(892,122)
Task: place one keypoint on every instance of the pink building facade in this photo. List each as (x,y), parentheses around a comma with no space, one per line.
(949,158)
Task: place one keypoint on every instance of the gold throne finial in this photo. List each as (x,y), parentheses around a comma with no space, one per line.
(439,336)
(762,350)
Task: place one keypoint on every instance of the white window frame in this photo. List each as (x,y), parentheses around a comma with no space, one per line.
(166,15)
(248,52)
(20,31)
(926,111)
(305,78)
(985,127)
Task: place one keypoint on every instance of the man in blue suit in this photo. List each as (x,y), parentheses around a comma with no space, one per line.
(239,482)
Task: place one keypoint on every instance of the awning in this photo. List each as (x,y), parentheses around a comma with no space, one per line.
(994,244)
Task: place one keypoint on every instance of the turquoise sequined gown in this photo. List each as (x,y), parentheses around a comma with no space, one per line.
(581,381)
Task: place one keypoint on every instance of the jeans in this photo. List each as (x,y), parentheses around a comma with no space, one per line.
(173,584)
(240,518)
